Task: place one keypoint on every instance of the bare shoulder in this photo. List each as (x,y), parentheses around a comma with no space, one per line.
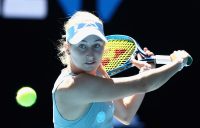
(63,87)
(77,89)
(67,99)
(68,87)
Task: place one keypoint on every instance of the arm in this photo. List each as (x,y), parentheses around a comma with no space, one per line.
(94,89)
(126,108)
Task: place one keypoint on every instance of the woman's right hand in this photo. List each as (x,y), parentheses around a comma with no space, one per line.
(103,71)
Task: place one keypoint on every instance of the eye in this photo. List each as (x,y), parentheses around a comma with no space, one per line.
(97,45)
(82,46)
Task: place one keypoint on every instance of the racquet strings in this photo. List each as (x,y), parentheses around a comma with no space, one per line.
(117,53)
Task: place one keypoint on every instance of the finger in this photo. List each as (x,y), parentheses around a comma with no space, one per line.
(139,57)
(145,49)
(137,63)
(103,71)
(145,68)
(148,52)
(106,75)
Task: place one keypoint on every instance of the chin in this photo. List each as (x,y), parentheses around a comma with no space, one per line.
(90,69)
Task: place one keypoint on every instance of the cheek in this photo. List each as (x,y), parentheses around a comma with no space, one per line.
(100,52)
(75,55)
(98,55)
(77,60)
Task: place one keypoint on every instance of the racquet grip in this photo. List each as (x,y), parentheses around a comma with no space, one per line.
(189,61)
(165,59)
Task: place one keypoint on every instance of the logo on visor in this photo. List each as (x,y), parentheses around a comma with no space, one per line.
(74,29)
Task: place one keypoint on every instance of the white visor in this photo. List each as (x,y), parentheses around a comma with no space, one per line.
(77,33)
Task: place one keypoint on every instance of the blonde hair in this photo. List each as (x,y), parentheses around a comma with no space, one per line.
(78,17)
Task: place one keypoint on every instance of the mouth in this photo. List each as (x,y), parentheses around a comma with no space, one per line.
(90,63)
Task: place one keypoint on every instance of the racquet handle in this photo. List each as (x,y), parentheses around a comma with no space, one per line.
(165,59)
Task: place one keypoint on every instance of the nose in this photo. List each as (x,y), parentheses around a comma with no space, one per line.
(90,58)
(90,55)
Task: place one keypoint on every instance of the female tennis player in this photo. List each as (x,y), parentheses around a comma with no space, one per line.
(83,95)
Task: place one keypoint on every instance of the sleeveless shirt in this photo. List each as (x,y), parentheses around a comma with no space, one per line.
(99,114)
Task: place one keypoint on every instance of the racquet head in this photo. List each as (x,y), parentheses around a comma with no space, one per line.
(121,48)
(117,53)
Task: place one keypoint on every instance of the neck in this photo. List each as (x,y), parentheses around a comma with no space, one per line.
(76,70)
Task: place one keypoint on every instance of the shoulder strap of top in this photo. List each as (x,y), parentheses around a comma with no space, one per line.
(64,73)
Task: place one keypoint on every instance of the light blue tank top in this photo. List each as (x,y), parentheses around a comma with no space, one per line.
(99,114)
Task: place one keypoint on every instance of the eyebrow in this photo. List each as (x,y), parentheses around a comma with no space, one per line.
(98,40)
(83,40)
(94,40)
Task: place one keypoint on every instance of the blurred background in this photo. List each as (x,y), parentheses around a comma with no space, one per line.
(29,32)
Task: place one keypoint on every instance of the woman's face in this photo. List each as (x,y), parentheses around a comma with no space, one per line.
(87,54)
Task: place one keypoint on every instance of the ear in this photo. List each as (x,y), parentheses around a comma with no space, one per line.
(67,47)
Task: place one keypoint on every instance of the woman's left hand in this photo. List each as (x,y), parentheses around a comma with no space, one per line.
(141,65)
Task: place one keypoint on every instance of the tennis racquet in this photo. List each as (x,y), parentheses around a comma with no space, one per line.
(121,48)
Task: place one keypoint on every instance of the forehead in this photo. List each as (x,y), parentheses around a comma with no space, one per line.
(92,39)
